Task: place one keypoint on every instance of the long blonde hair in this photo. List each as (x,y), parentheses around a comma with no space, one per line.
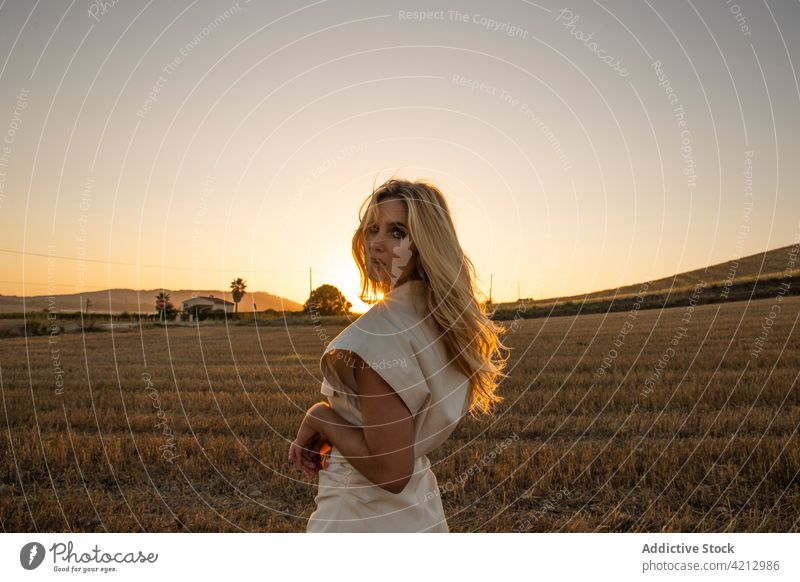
(470,336)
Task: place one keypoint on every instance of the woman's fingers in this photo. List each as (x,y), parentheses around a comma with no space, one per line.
(299,455)
(309,457)
(308,465)
(295,455)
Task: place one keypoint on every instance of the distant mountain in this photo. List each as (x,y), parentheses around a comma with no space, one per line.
(131,300)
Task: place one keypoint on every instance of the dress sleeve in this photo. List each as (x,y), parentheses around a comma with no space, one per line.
(391,355)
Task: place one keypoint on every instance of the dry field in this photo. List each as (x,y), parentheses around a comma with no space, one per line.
(187,429)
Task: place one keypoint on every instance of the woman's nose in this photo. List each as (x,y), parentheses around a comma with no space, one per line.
(376,244)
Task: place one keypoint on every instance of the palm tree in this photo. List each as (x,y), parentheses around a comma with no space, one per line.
(238,286)
(163,305)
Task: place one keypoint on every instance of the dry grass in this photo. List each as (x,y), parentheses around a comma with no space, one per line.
(713,447)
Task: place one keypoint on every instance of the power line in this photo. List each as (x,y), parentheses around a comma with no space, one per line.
(169,267)
(53,285)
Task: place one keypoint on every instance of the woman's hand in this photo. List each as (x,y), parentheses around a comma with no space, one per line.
(317,457)
(308,449)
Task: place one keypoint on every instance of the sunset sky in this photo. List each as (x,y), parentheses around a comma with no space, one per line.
(183,144)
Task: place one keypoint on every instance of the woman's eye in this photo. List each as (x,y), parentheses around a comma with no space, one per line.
(396,232)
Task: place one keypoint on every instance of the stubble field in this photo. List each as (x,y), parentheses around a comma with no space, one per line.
(651,420)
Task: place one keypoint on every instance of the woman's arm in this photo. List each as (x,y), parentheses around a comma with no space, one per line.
(383,449)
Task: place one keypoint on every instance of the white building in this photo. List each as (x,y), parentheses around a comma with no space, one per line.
(197,306)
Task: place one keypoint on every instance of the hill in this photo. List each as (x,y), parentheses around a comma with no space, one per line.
(766,265)
(767,274)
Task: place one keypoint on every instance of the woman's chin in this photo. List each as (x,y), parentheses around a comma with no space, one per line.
(374,276)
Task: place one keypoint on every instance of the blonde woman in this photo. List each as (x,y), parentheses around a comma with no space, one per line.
(400,378)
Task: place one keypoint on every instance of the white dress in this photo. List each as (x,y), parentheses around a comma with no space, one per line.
(401,342)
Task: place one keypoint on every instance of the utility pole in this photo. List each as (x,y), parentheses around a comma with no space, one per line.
(310,285)
(491,276)
(519,292)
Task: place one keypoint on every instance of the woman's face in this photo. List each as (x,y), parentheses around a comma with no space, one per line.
(390,253)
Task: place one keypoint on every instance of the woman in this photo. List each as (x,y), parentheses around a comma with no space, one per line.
(400,378)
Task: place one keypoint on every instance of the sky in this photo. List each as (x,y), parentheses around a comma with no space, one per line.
(180,145)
